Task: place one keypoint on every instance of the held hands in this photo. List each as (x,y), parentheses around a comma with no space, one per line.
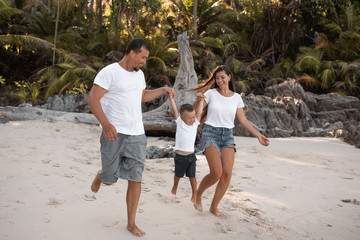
(200,96)
(169,91)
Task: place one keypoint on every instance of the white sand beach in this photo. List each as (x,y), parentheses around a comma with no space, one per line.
(296,188)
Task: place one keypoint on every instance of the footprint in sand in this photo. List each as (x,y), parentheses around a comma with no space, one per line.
(110,224)
(219,227)
(54,202)
(166,199)
(89,197)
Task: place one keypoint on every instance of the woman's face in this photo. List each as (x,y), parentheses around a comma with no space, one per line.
(222,80)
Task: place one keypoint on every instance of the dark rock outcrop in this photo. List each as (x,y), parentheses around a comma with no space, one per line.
(287,110)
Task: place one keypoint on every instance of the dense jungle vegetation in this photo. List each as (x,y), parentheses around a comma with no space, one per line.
(52,47)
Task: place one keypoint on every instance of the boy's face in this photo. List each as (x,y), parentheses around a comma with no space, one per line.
(188,117)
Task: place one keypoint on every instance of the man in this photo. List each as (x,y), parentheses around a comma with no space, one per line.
(115,100)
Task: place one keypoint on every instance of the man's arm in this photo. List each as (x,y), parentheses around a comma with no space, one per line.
(173,106)
(149,95)
(96,93)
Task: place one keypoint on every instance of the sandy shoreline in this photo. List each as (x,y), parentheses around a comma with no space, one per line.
(297,188)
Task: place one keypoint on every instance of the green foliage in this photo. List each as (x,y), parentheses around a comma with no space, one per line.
(78,89)
(28,91)
(315,41)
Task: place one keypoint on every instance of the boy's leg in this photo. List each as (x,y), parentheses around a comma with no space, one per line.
(132,200)
(193,184)
(176,182)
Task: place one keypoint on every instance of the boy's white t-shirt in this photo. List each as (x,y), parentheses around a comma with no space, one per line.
(122,101)
(222,110)
(185,135)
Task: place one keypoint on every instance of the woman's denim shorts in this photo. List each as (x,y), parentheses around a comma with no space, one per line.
(218,136)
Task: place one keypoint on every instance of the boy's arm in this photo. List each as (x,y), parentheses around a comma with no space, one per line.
(173,106)
(199,104)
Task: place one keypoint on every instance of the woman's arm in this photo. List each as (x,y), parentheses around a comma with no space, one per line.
(199,104)
(250,128)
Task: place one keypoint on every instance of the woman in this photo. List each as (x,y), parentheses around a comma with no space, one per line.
(217,140)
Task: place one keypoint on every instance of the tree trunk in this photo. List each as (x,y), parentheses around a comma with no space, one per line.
(56,29)
(195,19)
(160,120)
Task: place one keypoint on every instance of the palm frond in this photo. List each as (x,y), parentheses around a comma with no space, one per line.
(327,78)
(26,42)
(6,13)
(309,80)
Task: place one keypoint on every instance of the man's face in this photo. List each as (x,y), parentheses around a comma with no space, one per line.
(139,59)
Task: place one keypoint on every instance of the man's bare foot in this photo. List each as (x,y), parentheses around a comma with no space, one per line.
(135,230)
(174,189)
(216,212)
(96,183)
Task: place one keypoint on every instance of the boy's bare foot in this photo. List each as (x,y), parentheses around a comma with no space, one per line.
(216,212)
(96,183)
(135,230)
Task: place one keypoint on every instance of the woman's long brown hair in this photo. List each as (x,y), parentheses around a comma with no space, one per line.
(211,83)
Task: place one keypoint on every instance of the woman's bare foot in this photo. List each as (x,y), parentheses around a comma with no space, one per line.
(135,230)
(216,212)
(198,207)
(198,203)
(96,183)
(193,198)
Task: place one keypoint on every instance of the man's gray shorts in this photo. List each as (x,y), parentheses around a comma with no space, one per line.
(123,158)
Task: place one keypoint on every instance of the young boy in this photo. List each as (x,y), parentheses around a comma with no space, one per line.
(185,159)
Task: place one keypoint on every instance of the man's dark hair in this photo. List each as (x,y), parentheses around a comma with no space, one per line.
(136,44)
(186,107)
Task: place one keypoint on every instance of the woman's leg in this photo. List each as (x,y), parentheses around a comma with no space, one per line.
(193,189)
(215,165)
(227,161)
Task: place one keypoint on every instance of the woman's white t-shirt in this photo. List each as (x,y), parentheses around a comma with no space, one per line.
(185,135)
(122,101)
(222,110)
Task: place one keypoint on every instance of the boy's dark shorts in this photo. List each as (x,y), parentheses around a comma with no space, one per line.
(185,164)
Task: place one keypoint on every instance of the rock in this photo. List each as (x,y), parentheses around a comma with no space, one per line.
(27,112)
(156,152)
(67,103)
(3,118)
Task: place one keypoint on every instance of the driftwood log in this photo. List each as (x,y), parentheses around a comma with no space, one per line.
(160,120)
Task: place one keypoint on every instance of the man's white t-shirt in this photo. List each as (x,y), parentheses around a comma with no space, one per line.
(122,101)
(222,110)
(185,135)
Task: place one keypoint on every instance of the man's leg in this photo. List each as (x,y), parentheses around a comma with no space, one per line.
(96,183)
(132,200)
